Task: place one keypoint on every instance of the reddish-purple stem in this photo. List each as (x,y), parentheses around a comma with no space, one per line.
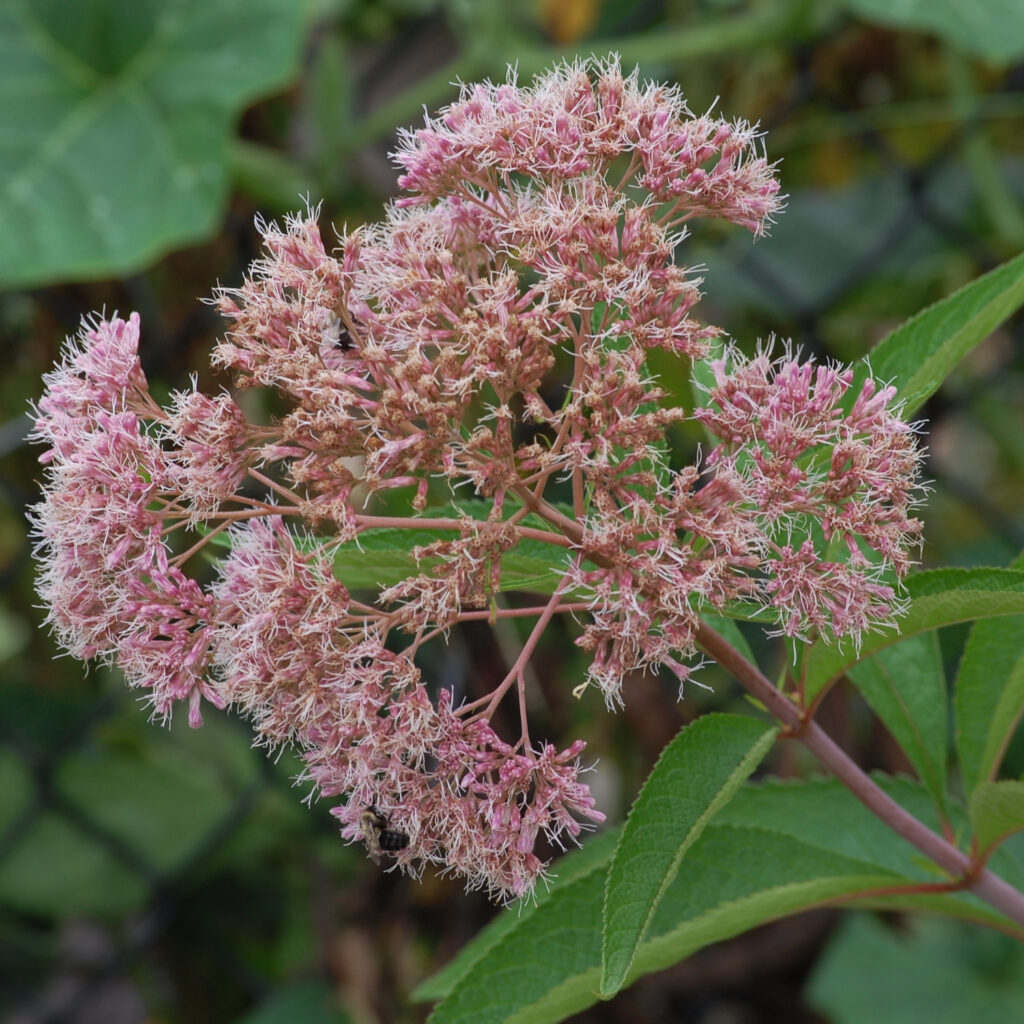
(975,877)
(515,673)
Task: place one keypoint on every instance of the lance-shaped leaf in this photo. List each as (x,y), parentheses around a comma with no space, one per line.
(550,967)
(382,558)
(938,597)
(773,850)
(595,855)
(919,355)
(997,811)
(989,695)
(696,775)
(906,687)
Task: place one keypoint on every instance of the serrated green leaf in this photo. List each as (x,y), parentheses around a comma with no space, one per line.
(905,685)
(938,597)
(107,105)
(595,855)
(775,849)
(997,811)
(919,355)
(550,968)
(809,810)
(926,970)
(386,558)
(741,877)
(555,946)
(696,775)
(989,695)
(986,28)
(382,558)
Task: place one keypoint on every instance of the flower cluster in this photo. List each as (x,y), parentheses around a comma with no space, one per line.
(488,338)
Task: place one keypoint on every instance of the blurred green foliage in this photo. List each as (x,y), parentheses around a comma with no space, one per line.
(933,971)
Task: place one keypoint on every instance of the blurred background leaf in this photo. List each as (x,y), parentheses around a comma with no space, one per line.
(928,971)
(117,116)
(992,29)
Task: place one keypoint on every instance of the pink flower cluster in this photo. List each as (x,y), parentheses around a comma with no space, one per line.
(802,459)
(488,338)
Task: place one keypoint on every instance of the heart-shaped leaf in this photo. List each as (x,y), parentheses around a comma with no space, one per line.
(117,115)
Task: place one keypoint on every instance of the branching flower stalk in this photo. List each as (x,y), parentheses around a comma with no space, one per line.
(475,367)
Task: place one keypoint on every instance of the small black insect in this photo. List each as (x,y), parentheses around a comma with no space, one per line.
(378,837)
(345,342)
(339,335)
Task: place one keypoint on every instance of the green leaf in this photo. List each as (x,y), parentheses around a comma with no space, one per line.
(774,849)
(157,807)
(129,809)
(55,869)
(997,811)
(550,967)
(15,634)
(989,695)
(554,946)
(728,628)
(927,971)
(905,685)
(919,355)
(595,855)
(938,597)
(383,557)
(702,380)
(17,791)
(987,28)
(116,117)
(825,814)
(330,97)
(267,175)
(810,811)
(696,775)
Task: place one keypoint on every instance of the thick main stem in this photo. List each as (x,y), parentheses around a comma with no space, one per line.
(979,880)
